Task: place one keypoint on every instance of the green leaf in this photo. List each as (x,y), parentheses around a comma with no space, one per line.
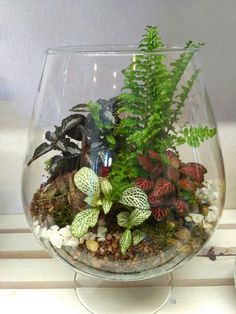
(92,200)
(135,197)
(87,181)
(125,241)
(138,216)
(195,135)
(106,205)
(83,221)
(138,236)
(123,219)
(95,109)
(106,186)
(111,140)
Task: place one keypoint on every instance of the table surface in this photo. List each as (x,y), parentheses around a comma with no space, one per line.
(31,280)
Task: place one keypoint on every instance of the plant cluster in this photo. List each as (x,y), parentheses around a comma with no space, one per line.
(139,130)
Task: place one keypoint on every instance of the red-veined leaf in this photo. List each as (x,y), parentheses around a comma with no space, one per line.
(154,155)
(160,213)
(173,159)
(187,184)
(172,173)
(145,163)
(193,170)
(182,208)
(144,184)
(163,187)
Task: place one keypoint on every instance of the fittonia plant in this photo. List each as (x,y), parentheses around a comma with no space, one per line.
(145,185)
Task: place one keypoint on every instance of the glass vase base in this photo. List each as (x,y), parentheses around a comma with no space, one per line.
(133,297)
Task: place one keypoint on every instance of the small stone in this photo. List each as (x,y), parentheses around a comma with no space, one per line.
(88,236)
(65,233)
(101,231)
(37,230)
(36,223)
(48,233)
(72,242)
(114,245)
(93,236)
(197,218)
(56,240)
(101,222)
(81,240)
(109,237)
(101,239)
(54,228)
(171,224)
(204,210)
(212,215)
(92,245)
(43,232)
(110,248)
(188,219)
(185,249)
(183,234)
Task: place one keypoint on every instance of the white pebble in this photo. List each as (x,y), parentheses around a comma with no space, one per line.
(36,223)
(43,232)
(197,218)
(65,233)
(56,240)
(212,216)
(88,236)
(93,236)
(48,233)
(188,219)
(101,231)
(55,228)
(81,240)
(101,239)
(37,230)
(73,242)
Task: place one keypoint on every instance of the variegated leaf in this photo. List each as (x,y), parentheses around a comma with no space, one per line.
(123,219)
(87,181)
(125,241)
(106,205)
(106,186)
(138,216)
(134,197)
(83,221)
(138,236)
(92,200)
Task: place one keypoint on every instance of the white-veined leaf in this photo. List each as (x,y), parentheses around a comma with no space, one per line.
(125,241)
(106,205)
(87,181)
(106,186)
(138,236)
(135,197)
(92,200)
(83,221)
(138,216)
(123,219)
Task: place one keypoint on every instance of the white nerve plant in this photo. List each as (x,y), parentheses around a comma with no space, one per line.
(98,193)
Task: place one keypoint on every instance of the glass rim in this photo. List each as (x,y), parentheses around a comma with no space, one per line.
(114,50)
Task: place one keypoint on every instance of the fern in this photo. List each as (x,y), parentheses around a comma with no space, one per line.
(153,106)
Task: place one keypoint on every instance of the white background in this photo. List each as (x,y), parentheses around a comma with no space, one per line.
(28,27)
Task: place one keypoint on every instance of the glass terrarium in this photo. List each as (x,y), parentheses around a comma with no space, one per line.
(123,178)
